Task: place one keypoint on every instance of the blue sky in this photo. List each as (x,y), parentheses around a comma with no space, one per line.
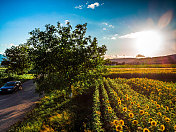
(108,20)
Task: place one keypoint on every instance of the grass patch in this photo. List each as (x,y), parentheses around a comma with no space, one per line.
(58,112)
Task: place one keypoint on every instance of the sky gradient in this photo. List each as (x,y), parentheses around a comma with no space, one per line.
(111,21)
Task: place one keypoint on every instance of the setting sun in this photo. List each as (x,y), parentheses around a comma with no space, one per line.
(148,42)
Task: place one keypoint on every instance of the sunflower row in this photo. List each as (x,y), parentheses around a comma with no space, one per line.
(123,108)
(162,92)
(120,108)
(137,108)
(96,123)
(111,121)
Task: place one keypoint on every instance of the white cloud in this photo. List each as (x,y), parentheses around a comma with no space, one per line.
(104,28)
(131,35)
(117,56)
(105,23)
(92,6)
(113,38)
(66,21)
(108,25)
(79,7)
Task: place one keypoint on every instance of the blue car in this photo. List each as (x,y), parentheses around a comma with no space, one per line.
(11,86)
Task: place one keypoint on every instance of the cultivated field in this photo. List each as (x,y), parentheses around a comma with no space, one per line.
(158,72)
(144,66)
(136,104)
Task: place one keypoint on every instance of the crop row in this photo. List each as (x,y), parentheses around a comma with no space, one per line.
(142,70)
(161,92)
(122,108)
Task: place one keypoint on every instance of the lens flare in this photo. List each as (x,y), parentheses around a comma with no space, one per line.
(148,42)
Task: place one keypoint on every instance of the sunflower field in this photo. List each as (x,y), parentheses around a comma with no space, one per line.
(136,104)
(128,105)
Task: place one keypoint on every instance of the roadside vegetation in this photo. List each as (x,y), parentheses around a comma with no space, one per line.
(4,77)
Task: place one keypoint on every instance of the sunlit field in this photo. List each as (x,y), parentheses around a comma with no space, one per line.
(142,70)
(143,66)
(159,72)
(114,105)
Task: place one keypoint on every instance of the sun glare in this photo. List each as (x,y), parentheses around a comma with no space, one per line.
(148,42)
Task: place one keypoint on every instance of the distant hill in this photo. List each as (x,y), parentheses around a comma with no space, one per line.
(169,59)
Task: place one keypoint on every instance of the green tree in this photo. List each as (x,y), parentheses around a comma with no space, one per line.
(63,56)
(17,59)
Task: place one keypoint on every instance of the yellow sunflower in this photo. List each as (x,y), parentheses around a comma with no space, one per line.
(141,112)
(135,122)
(162,127)
(119,128)
(167,120)
(146,130)
(121,122)
(159,114)
(153,123)
(158,106)
(175,127)
(115,122)
(109,108)
(125,109)
(150,120)
(131,115)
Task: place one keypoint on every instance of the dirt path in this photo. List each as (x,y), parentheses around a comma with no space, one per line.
(14,106)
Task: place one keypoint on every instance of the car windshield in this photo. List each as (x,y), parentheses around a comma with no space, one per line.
(9,84)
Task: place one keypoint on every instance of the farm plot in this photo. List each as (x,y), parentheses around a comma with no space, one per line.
(162,74)
(122,107)
(129,105)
